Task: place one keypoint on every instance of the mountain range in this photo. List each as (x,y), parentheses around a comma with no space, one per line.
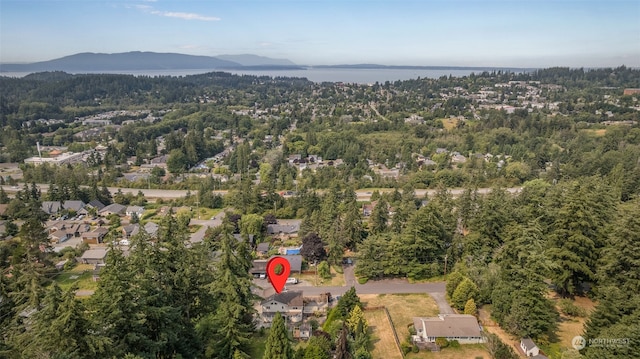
(136,60)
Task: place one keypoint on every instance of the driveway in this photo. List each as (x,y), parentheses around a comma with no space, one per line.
(198,236)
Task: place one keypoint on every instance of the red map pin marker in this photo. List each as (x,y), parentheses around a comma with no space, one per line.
(278,269)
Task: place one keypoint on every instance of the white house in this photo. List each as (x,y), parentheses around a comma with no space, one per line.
(134,209)
(461,327)
(530,349)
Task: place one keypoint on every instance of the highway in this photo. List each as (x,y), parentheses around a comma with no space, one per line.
(364,195)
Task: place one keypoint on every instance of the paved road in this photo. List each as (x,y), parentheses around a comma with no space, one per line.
(363,195)
(386,286)
(213,222)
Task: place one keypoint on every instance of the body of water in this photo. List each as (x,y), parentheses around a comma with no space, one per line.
(360,76)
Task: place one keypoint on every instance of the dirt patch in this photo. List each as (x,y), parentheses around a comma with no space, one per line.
(489,325)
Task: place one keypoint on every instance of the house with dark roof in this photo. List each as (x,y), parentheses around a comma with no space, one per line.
(289,304)
(284,228)
(96,204)
(461,327)
(53,207)
(262,248)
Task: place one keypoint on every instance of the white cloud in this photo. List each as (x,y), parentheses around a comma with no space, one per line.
(185,15)
(175,14)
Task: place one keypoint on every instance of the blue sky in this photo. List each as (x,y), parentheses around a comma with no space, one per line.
(524,33)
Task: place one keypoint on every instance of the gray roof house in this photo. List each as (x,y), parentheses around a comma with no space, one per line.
(113,208)
(289,304)
(461,327)
(284,227)
(94,256)
(96,204)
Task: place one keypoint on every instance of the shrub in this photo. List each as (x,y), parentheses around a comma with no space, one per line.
(569,308)
(454,344)
(442,342)
(363,280)
(406,347)
(415,349)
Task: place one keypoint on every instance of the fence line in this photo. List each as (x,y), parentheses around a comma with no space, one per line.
(393,328)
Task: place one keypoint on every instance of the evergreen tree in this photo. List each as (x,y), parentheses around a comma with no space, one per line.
(578,233)
(278,344)
(233,320)
(342,344)
(379,217)
(347,302)
(470,307)
(464,291)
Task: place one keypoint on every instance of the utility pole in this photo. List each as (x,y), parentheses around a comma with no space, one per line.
(445,267)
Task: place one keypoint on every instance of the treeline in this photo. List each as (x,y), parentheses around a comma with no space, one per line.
(162,300)
(574,237)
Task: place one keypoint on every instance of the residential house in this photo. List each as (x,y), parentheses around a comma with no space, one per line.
(75,206)
(59,236)
(289,304)
(295,262)
(530,349)
(113,208)
(131,210)
(51,207)
(284,228)
(456,157)
(262,248)
(131,230)
(96,204)
(303,331)
(96,236)
(259,266)
(94,256)
(461,327)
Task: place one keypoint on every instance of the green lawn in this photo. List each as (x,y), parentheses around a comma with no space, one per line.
(82,275)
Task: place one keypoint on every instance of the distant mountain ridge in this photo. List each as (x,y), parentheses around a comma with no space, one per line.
(255,60)
(137,60)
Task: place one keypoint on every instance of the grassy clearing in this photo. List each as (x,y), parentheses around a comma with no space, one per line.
(596,132)
(82,275)
(337,279)
(470,351)
(402,308)
(384,346)
(568,327)
(449,123)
